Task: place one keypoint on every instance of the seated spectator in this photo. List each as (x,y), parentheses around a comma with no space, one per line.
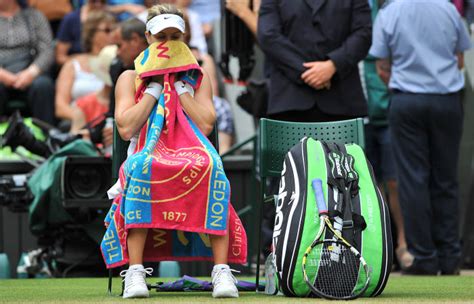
(54,10)
(69,33)
(25,56)
(76,78)
(131,41)
(225,120)
(142,16)
(125,9)
(90,109)
(225,123)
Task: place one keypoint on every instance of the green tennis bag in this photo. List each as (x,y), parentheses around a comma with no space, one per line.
(364,221)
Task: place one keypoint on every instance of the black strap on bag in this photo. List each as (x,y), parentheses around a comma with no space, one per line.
(352,190)
(343,178)
(336,179)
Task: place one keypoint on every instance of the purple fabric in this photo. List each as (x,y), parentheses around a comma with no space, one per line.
(187,283)
(460,6)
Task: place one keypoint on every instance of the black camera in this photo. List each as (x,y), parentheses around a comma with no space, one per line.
(14,192)
(85,181)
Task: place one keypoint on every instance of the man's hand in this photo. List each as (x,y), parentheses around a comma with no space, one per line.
(107,136)
(25,78)
(460,60)
(319,74)
(326,85)
(384,69)
(7,78)
(237,7)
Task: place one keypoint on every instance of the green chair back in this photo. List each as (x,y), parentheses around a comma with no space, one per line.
(277,138)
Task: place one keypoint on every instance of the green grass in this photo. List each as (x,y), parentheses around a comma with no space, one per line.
(399,289)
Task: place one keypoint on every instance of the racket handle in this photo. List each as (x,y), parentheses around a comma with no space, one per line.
(317,184)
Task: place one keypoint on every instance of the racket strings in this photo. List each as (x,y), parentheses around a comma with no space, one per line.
(337,270)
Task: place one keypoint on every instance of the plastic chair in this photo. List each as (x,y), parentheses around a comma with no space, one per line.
(276,138)
(4,266)
(119,155)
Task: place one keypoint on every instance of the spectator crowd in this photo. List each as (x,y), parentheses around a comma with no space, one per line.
(60,60)
(56,63)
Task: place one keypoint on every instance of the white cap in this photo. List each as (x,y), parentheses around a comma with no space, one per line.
(100,64)
(164,21)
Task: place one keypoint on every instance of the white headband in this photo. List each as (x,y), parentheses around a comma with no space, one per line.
(164,21)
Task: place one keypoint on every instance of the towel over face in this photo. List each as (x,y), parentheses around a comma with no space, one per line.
(174,183)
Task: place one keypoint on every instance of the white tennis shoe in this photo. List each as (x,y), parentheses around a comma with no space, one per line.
(135,284)
(223,282)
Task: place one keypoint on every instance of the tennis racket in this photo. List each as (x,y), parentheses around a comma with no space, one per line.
(344,278)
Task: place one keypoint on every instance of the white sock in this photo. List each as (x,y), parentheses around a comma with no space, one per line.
(135,267)
(220,266)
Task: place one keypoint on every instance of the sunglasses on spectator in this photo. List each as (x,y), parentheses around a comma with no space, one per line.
(106,30)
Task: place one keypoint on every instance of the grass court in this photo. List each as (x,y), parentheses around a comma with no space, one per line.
(399,289)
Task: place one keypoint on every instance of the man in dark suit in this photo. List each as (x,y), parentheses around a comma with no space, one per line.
(314,47)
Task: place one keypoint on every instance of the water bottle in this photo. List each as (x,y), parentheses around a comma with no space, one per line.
(109,123)
(169,269)
(4,266)
(270,276)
